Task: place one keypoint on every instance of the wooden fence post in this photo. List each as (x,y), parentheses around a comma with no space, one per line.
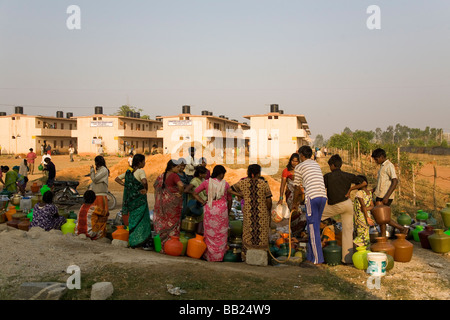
(434,187)
(399,173)
(414,184)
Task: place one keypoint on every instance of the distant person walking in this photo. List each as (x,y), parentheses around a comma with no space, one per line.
(71,152)
(31,157)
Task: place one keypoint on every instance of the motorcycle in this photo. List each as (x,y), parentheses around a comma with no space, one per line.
(66,193)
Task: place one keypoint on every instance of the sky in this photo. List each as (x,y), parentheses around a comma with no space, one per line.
(315,58)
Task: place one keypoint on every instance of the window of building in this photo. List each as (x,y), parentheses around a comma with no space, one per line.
(62,144)
(216,126)
(270,117)
(275,117)
(70,126)
(132,126)
(62,125)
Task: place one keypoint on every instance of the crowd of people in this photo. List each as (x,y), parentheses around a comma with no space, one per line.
(187,187)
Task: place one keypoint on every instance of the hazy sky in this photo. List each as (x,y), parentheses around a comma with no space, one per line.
(316,58)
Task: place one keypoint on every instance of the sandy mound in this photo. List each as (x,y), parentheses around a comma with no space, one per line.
(154,166)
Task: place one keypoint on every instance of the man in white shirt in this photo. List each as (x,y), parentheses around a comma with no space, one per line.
(309,175)
(387,181)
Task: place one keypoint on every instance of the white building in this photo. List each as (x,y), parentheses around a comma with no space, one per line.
(284,133)
(116,134)
(20,132)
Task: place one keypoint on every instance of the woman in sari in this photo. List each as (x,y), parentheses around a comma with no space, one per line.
(45,214)
(91,220)
(168,203)
(258,204)
(99,186)
(135,203)
(287,179)
(216,211)
(11,177)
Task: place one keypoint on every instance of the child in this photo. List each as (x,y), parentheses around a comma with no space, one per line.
(362,205)
(91,220)
(328,232)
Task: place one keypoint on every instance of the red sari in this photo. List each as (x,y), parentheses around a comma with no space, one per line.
(167,210)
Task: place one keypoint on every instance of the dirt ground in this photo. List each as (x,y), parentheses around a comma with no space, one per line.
(45,256)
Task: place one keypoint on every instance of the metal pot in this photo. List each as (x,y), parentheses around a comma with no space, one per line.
(374,232)
(188,224)
(15,199)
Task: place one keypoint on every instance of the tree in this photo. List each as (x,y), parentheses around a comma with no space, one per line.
(318,141)
(123,110)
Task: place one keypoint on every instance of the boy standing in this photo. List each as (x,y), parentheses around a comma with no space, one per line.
(387,181)
(309,175)
(338,183)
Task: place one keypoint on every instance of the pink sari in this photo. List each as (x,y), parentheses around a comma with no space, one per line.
(215,223)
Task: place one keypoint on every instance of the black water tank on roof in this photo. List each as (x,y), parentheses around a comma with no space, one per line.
(98,110)
(18,110)
(186,110)
(274,108)
(69,115)
(59,114)
(281,111)
(137,115)
(2,114)
(130,114)
(205,113)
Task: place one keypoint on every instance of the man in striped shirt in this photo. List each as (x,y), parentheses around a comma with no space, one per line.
(309,175)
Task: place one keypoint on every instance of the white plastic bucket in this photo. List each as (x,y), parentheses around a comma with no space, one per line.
(25,203)
(377,264)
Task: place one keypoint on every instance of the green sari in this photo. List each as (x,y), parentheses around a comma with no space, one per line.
(135,204)
(11,178)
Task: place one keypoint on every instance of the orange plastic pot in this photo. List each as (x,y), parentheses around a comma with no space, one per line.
(279,242)
(121,234)
(196,247)
(173,246)
(11,211)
